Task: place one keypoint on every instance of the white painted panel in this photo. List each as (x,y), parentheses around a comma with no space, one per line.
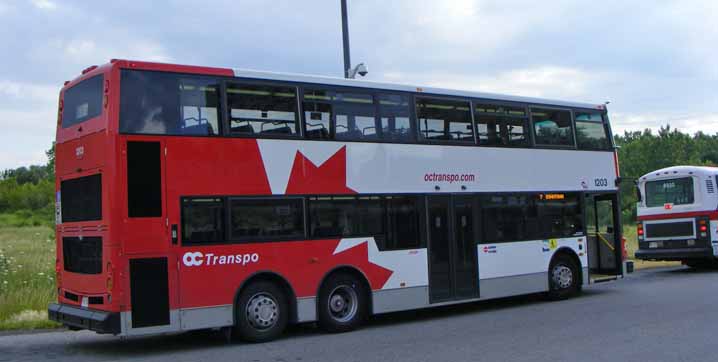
(524,257)
(409,267)
(395,168)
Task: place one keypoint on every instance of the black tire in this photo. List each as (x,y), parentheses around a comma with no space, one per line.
(261,313)
(343,304)
(563,278)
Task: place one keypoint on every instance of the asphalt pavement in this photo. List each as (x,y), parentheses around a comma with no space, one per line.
(651,315)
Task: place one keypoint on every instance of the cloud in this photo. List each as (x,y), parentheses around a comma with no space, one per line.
(688,123)
(19,93)
(543,82)
(44,4)
(88,51)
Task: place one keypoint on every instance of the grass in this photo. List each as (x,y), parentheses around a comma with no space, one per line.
(27,277)
(629,232)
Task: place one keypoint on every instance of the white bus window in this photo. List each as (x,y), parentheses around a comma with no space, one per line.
(444,120)
(591,132)
(501,126)
(552,127)
(317,105)
(395,117)
(677,191)
(355,116)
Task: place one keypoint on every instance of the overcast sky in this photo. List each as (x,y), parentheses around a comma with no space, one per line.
(655,61)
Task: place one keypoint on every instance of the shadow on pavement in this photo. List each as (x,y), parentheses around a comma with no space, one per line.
(198,340)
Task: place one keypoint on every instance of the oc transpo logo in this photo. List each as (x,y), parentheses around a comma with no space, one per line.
(193,259)
(198,259)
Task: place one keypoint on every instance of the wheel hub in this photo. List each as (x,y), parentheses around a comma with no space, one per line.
(343,301)
(337,303)
(562,276)
(262,311)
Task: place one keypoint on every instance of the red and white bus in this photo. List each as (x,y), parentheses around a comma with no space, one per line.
(678,215)
(192,197)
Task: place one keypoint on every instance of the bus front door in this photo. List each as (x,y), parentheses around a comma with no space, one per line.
(605,250)
(453,265)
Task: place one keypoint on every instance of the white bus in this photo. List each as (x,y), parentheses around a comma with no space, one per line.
(678,215)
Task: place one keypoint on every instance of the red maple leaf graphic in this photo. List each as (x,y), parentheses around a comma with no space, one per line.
(329,178)
(358,256)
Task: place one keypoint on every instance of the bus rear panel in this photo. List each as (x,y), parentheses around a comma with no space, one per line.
(677,217)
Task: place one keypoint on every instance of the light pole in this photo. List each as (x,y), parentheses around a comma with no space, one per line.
(349,72)
(345,38)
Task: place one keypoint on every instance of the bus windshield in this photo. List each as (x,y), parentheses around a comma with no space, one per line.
(677,191)
(82,102)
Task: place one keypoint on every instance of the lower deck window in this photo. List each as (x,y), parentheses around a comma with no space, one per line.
(82,255)
(516,217)
(396,222)
(202,220)
(346,216)
(266,219)
(81,198)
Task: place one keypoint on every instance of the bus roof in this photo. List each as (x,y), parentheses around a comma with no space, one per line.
(337,81)
(680,171)
(305,78)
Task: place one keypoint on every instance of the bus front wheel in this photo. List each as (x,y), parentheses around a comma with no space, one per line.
(342,303)
(261,312)
(563,277)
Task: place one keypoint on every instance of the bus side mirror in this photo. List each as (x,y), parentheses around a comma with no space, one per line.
(609,229)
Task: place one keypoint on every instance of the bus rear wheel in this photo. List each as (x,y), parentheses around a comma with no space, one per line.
(563,277)
(261,312)
(342,303)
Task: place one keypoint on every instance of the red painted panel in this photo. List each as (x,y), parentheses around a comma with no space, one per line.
(214,166)
(176,68)
(84,153)
(304,264)
(329,178)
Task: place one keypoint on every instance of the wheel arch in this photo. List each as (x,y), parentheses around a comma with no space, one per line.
(273,277)
(571,254)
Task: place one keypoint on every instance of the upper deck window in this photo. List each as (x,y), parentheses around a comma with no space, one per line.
(166,103)
(83,101)
(552,127)
(501,125)
(591,131)
(678,191)
(444,120)
(257,109)
(340,115)
(395,116)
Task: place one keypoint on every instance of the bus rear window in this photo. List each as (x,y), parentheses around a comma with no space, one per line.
(82,102)
(675,191)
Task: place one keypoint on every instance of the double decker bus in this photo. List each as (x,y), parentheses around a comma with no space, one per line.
(192,197)
(678,215)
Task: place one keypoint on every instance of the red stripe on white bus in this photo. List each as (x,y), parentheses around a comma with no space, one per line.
(713,215)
